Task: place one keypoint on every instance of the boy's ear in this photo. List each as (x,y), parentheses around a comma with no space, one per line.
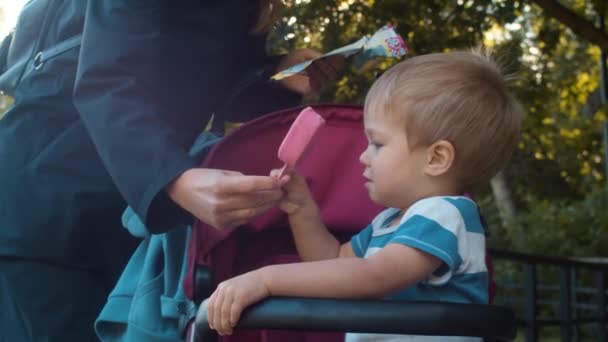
(439,158)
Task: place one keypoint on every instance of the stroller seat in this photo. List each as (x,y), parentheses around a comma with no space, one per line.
(335,176)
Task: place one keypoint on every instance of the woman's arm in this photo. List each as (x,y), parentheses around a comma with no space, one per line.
(150,75)
(256,93)
(118,92)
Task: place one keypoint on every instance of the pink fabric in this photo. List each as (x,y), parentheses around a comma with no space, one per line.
(334,173)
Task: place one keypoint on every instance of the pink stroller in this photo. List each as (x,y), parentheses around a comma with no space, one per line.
(334,173)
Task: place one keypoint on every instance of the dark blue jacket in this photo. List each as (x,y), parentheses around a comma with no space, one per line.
(57,202)
(150,74)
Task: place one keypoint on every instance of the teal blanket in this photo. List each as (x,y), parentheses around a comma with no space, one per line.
(148,302)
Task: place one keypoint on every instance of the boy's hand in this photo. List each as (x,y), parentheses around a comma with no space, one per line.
(298,198)
(231,297)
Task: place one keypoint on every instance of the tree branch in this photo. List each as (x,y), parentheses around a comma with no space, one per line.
(576,23)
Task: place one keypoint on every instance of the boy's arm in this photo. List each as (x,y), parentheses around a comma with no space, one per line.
(392,268)
(314,241)
(312,238)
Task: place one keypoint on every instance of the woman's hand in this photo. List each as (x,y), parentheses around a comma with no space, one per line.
(224,199)
(318,75)
(231,297)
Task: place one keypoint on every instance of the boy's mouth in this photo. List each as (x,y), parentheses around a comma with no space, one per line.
(368,181)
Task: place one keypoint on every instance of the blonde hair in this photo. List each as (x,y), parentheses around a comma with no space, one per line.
(268,15)
(461,97)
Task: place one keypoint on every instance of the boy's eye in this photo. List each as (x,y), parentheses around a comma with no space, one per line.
(375,144)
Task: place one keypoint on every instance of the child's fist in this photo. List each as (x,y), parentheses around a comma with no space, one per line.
(231,297)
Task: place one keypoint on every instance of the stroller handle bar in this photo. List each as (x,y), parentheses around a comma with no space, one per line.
(372,316)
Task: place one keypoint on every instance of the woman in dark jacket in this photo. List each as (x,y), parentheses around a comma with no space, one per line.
(150,74)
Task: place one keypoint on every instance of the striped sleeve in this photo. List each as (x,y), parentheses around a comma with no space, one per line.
(360,242)
(433,226)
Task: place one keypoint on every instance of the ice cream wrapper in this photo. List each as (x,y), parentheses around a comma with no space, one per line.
(385,43)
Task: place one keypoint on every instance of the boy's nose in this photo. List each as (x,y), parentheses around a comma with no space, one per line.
(363,157)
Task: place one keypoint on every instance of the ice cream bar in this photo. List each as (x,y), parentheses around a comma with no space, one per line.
(298,138)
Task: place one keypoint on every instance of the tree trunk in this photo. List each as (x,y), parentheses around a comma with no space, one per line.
(504,199)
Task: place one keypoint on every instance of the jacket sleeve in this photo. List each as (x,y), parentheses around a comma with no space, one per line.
(150,74)
(6,42)
(119,96)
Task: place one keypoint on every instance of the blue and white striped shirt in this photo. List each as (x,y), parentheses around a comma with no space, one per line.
(448,228)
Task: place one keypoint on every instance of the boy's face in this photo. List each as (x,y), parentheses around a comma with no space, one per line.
(394,172)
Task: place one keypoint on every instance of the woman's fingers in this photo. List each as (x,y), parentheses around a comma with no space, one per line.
(236,197)
(246,184)
(274,173)
(324,71)
(337,62)
(231,211)
(225,199)
(239,217)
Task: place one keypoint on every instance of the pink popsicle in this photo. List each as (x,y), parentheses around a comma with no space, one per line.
(298,138)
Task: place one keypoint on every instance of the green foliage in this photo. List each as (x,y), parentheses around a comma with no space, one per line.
(556,175)
(563,227)
(427,26)
(568,227)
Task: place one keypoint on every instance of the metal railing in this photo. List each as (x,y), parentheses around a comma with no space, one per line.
(569,293)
